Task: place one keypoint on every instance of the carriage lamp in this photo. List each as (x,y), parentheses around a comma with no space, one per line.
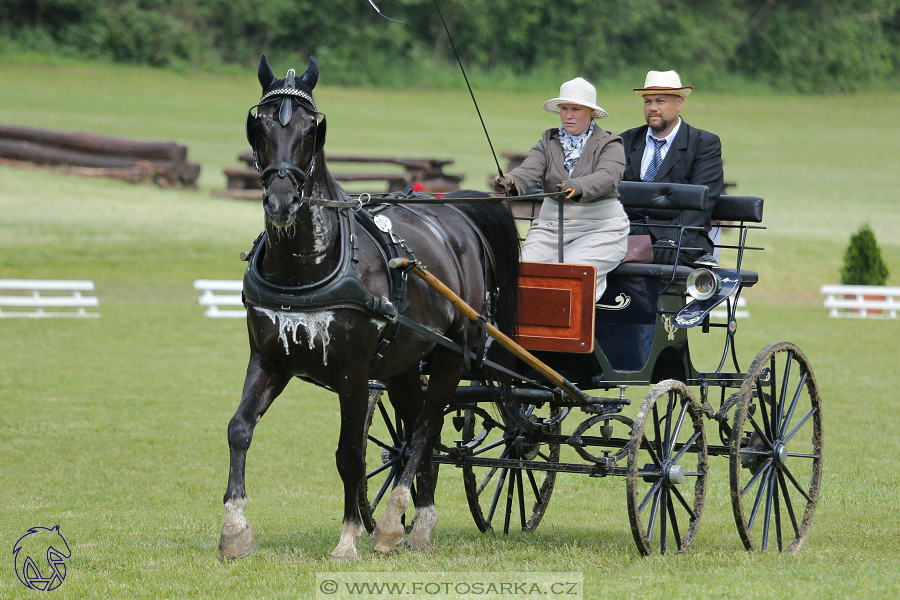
(703,284)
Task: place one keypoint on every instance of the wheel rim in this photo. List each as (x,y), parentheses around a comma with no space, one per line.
(497,494)
(667,470)
(776,451)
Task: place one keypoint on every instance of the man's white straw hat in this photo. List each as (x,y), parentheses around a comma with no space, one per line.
(663,82)
(576,91)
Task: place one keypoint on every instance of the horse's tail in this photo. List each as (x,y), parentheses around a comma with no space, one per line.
(495,221)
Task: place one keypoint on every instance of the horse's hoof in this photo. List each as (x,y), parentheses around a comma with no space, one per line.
(234,545)
(388,543)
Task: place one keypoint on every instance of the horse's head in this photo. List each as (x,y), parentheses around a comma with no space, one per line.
(286,136)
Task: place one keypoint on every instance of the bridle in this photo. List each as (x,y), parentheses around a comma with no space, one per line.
(286,96)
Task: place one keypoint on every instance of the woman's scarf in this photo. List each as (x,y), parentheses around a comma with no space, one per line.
(572,146)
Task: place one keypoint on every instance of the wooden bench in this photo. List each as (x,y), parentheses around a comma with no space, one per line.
(862,301)
(32,297)
(214,301)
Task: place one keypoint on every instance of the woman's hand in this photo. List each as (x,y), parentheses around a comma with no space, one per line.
(504,184)
(572,187)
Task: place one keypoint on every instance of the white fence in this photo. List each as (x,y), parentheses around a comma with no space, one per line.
(213,301)
(32,297)
(721,311)
(862,301)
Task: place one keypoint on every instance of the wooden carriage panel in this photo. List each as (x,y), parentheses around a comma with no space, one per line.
(556,307)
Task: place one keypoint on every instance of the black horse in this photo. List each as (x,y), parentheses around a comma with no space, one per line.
(322,305)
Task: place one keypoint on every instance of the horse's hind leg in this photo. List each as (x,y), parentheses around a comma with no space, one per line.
(389,530)
(261,387)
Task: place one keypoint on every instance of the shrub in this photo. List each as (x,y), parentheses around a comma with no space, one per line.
(863,264)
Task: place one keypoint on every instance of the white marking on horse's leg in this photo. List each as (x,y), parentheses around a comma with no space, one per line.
(236,540)
(389,530)
(346,548)
(423,526)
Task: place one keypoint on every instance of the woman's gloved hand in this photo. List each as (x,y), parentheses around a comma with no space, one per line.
(572,187)
(504,183)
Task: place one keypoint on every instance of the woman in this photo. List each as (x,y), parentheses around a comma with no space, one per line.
(582,159)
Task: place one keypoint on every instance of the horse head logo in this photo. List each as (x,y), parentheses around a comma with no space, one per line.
(41,543)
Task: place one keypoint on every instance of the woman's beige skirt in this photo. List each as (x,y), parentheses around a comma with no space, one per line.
(594,233)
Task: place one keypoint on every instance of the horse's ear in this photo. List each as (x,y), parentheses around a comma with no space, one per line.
(311,76)
(266,76)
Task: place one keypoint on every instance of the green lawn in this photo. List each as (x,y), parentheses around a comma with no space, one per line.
(114,427)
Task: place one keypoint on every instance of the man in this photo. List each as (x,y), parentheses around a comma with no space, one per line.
(669,150)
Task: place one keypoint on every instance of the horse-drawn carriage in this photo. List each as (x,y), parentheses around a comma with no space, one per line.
(332,299)
(767,418)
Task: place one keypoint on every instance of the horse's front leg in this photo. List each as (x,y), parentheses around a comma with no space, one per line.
(445,374)
(353,391)
(261,386)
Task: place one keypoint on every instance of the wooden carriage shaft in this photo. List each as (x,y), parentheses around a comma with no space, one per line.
(518,351)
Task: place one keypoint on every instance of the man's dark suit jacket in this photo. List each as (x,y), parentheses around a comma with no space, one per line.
(694,157)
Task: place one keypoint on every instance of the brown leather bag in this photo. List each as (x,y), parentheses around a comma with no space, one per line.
(640,249)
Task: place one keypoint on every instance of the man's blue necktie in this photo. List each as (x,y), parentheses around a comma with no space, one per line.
(656,161)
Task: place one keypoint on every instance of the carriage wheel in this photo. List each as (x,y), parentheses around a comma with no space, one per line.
(667,470)
(776,450)
(386,452)
(498,492)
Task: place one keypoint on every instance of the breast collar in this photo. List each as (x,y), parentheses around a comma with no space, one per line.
(342,288)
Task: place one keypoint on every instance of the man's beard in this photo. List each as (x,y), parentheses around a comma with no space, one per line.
(663,125)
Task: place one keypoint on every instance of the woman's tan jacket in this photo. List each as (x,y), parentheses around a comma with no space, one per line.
(598,171)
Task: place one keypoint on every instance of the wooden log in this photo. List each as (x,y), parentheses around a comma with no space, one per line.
(135,174)
(95,144)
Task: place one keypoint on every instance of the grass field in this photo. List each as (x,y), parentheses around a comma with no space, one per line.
(114,427)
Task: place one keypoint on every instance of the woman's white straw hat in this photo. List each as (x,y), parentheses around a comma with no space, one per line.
(663,82)
(576,91)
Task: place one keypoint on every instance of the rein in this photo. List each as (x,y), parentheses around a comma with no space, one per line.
(358,202)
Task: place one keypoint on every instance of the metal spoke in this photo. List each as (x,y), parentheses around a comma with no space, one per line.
(510,489)
(669,407)
(686,447)
(664,497)
(521,497)
(759,496)
(674,520)
(500,483)
(784,388)
(653,513)
(759,474)
(787,419)
(790,476)
(489,447)
(656,429)
(788,437)
(759,431)
(484,482)
(681,499)
(803,455)
(391,449)
(762,409)
(678,425)
(787,504)
(384,488)
(389,424)
(649,495)
(767,518)
(534,489)
(386,465)
(777,513)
